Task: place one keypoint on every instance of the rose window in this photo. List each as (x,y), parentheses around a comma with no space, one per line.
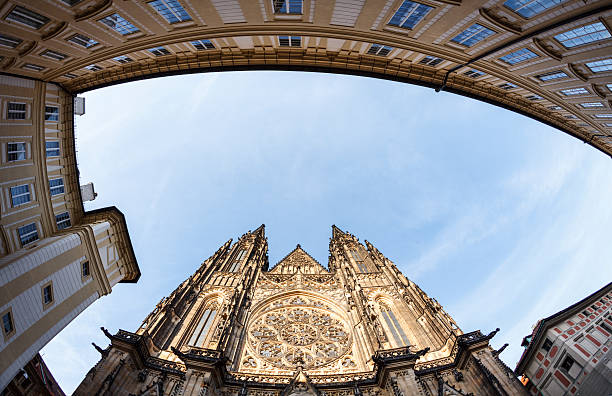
(292,336)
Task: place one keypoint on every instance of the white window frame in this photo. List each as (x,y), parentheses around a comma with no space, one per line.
(20,237)
(9,111)
(28,193)
(9,152)
(57,187)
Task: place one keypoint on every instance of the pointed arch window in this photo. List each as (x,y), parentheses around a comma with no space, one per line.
(235,264)
(201,330)
(394,326)
(359,261)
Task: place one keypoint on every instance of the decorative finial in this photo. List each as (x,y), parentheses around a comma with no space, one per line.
(298,246)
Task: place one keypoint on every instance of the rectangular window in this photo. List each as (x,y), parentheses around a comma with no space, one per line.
(58,56)
(472,35)
(123,59)
(518,56)
(8,41)
(71,2)
(93,68)
(119,24)
(52,149)
(62,220)
(507,86)
(589,105)
(409,14)
(56,186)
(608,124)
(171,10)
(609,86)
(70,75)
(555,107)
(289,41)
(379,50)
(602,116)
(287,6)
(51,113)
(27,234)
(16,151)
(473,73)
(8,328)
(431,61)
(20,195)
(33,67)
(529,8)
(534,97)
(547,345)
(83,40)
(26,17)
(203,44)
(159,51)
(47,294)
(85,269)
(574,91)
(583,35)
(16,111)
(605,326)
(551,76)
(600,65)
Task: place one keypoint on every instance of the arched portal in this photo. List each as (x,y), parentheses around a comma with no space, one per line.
(550,62)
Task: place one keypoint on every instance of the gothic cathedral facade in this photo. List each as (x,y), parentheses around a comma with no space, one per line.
(359,327)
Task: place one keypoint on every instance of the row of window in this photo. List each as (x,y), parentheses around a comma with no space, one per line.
(21,194)
(47,297)
(18,111)
(29,232)
(16,151)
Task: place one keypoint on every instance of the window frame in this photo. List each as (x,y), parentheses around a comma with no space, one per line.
(43,295)
(42,20)
(7,335)
(406,17)
(21,237)
(85,276)
(383,50)
(290,41)
(61,186)
(9,152)
(82,40)
(520,58)
(530,2)
(64,220)
(14,41)
(573,32)
(202,43)
(287,4)
(48,53)
(169,8)
(159,51)
(470,36)
(52,149)
(50,115)
(121,25)
(14,111)
(28,193)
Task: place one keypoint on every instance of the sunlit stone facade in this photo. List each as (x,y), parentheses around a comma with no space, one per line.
(547,59)
(359,326)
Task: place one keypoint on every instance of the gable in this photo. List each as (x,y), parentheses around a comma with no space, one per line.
(298,261)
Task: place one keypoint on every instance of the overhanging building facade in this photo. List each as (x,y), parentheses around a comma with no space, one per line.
(237,327)
(55,258)
(547,59)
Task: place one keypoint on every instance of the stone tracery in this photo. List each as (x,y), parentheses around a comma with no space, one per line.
(303,333)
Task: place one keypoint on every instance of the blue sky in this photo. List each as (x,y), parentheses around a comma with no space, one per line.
(502,219)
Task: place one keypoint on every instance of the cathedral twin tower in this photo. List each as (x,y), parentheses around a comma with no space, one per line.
(237,327)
